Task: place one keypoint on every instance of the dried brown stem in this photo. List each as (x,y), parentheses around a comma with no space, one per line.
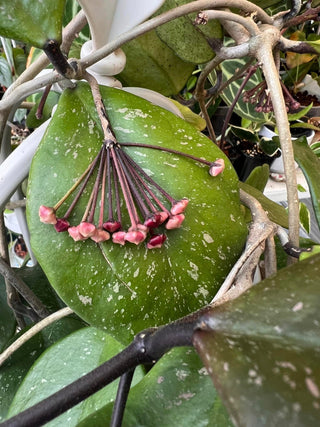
(240,277)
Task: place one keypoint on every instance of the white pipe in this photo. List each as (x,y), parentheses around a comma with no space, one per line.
(16,166)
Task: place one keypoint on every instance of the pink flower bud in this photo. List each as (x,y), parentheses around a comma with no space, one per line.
(61,225)
(75,233)
(87,229)
(179,206)
(153,220)
(111,226)
(135,236)
(217,167)
(175,221)
(295,105)
(164,215)
(100,235)
(119,237)
(47,215)
(156,241)
(140,227)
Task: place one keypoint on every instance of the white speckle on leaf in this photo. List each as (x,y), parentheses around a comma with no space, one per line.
(160,380)
(207,238)
(85,299)
(131,114)
(169,164)
(203,371)
(201,291)
(136,273)
(287,365)
(186,396)
(90,126)
(194,272)
(181,374)
(298,306)
(119,128)
(312,387)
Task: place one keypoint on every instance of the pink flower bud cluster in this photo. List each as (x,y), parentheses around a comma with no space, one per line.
(144,199)
(136,234)
(260,97)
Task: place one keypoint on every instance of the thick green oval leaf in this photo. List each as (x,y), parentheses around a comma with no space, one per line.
(7,319)
(126,289)
(310,166)
(31,21)
(63,363)
(151,64)
(191,43)
(263,349)
(176,392)
(13,371)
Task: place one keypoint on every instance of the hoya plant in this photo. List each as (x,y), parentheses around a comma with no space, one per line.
(137,305)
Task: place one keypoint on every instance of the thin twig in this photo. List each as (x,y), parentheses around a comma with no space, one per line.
(33,331)
(247,23)
(34,302)
(270,257)
(16,204)
(200,93)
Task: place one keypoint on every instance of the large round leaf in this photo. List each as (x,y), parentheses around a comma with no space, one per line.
(191,43)
(15,368)
(31,21)
(176,391)
(125,289)
(263,349)
(153,65)
(64,362)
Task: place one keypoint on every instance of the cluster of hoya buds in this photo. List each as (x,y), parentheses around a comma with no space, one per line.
(137,234)
(145,201)
(259,96)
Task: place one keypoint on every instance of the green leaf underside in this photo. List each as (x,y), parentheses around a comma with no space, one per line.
(151,64)
(177,391)
(63,363)
(125,289)
(310,166)
(189,42)
(13,371)
(31,21)
(263,351)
